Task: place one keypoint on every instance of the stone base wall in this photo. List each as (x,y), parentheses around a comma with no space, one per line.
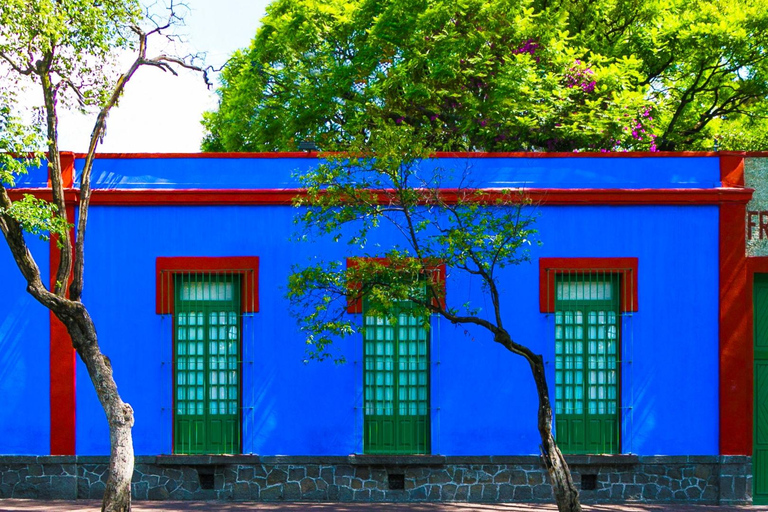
(690,479)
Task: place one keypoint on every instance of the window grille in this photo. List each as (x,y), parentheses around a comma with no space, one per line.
(396,382)
(592,318)
(207,365)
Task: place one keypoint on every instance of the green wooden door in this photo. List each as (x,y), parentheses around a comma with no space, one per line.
(207,364)
(760,437)
(396,389)
(586,364)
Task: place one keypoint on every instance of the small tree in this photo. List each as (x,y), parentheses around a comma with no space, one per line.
(68,49)
(385,180)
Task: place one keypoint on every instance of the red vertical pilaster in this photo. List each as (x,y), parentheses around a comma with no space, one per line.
(62,355)
(735,320)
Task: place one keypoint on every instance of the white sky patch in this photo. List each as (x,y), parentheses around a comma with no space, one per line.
(159,112)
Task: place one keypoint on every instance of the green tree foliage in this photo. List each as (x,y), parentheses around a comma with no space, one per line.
(468,74)
(704,63)
(504,74)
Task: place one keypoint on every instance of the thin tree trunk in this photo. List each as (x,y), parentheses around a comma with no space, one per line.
(117,495)
(566,494)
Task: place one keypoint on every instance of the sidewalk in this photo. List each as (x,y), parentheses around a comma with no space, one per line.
(228,506)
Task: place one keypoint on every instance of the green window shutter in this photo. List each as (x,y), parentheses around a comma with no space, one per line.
(587,341)
(207,348)
(760,436)
(396,382)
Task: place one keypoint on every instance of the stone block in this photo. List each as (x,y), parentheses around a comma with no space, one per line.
(542,492)
(448,492)
(665,494)
(502,477)
(535,478)
(490,492)
(345,493)
(277,476)
(506,492)
(523,493)
(650,492)
(633,492)
(326,473)
(274,493)
(362,495)
(64,487)
(440,477)
(245,473)
(292,491)
(362,472)
(307,485)
(418,493)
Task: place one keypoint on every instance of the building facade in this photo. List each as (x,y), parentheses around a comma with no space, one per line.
(640,298)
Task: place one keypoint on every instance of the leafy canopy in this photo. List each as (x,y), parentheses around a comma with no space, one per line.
(704,63)
(466,74)
(501,75)
(71,43)
(390,183)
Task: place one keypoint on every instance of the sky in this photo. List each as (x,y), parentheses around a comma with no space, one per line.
(159,112)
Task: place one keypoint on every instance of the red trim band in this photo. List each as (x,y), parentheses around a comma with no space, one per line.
(268,155)
(625,268)
(246,266)
(551,197)
(439,154)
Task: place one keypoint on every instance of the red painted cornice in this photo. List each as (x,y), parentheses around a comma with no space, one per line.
(550,196)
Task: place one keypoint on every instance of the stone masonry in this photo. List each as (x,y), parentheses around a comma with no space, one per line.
(690,479)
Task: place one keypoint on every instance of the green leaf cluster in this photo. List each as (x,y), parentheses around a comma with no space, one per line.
(704,63)
(390,182)
(18,141)
(71,44)
(36,216)
(467,75)
(500,75)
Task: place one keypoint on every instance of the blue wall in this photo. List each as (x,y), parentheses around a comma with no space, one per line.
(543,172)
(24,356)
(483,397)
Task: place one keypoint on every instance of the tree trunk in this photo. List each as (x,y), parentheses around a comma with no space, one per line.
(566,494)
(117,495)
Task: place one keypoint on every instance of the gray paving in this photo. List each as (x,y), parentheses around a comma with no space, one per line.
(182,506)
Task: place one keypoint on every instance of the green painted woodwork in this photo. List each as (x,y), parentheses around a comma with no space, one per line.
(760,438)
(207,334)
(587,341)
(396,377)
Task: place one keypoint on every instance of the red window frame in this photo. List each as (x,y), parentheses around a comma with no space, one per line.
(625,268)
(245,266)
